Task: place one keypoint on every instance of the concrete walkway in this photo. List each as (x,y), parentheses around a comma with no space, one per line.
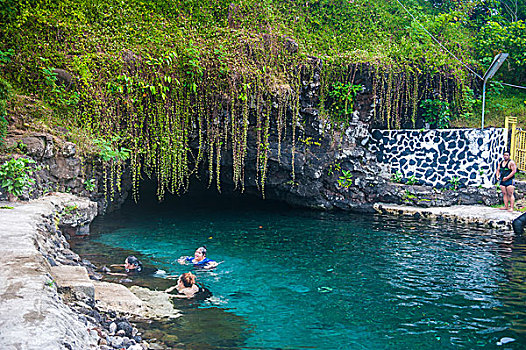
(32,314)
(466,214)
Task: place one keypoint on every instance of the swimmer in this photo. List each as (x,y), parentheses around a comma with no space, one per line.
(131,265)
(199,259)
(187,287)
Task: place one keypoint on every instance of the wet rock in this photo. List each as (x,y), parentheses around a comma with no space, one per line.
(125,326)
(88,263)
(137,338)
(51,261)
(505,340)
(136,347)
(115,341)
(127,342)
(155,346)
(113,328)
(96,276)
(93,333)
(83,319)
(471,215)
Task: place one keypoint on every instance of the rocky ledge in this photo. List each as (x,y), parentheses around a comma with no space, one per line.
(47,298)
(478,215)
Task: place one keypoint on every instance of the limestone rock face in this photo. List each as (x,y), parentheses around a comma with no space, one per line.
(112,296)
(73,277)
(324,164)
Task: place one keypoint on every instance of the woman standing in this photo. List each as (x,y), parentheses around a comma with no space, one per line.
(506,174)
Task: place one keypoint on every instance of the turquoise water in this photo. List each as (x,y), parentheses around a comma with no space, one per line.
(296,279)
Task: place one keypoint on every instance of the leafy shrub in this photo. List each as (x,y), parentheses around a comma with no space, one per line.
(412,180)
(58,94)
(345,179)
(15,175)
(455,182)
(436,113)
(502,36)
(343,99)
(89,185)
(397,177)
(109,152)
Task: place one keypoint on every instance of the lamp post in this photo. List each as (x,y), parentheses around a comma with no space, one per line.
(493,68)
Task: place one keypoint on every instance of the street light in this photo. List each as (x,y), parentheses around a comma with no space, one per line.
(493,68)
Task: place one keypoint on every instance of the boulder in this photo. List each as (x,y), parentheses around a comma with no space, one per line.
(74,278)
(63,77)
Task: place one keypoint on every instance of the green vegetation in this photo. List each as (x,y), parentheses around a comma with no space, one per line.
(138,81)
(69,209)
(454,183)
(343,96)
(89,185)
(436,113)
(397,177)
(345,180)
(5,95)
(15,175)
(412,180)
(408,197)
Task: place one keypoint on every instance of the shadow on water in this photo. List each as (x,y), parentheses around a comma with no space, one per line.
(298,279)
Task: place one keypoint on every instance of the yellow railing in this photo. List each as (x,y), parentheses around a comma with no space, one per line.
(518,142)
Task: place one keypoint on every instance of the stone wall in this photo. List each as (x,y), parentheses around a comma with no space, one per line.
(436,157)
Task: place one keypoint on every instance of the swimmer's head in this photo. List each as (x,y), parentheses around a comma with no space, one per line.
(200,253)
(187,279)
(132,263)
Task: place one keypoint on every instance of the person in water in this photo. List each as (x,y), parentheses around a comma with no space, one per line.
(187,287)
(199,259)
(131,266)
(506,174)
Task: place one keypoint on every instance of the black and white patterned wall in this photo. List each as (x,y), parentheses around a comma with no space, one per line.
(439,157)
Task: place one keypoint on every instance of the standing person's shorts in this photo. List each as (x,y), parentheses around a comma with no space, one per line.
(507,183)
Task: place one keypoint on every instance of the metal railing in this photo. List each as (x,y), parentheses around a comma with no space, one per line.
(517,142)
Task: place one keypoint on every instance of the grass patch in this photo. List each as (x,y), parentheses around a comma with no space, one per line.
(507,102)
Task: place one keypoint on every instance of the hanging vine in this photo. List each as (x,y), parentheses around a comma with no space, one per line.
(181,111)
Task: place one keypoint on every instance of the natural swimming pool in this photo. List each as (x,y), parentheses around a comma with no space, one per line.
(298,279)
